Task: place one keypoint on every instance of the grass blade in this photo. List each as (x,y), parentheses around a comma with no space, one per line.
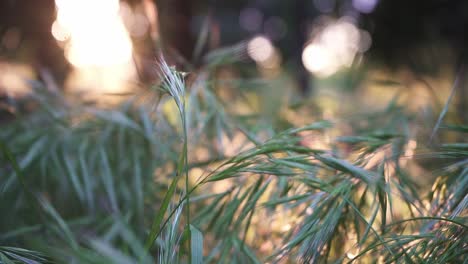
(196,245)
(447,103)
(156,227)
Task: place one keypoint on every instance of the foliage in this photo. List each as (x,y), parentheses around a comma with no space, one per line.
(85,184)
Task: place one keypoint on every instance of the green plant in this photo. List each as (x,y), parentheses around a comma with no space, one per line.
(90,185)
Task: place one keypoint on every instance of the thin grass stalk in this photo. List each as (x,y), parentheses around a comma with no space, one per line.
(174,84)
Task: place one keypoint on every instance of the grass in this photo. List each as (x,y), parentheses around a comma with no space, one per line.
(154,181)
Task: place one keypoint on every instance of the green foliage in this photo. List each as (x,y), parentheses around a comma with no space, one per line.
(83,184)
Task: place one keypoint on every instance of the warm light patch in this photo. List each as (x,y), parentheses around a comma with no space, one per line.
(264,53)
(95,32)
(97,43)
(334,46)
(13,79)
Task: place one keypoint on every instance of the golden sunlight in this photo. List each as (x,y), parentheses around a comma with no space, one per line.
(96,42)
(94,31)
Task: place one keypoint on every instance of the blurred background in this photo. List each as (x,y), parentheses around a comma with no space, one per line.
(111,46)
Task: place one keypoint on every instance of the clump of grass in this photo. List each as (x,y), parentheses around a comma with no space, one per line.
(84,184)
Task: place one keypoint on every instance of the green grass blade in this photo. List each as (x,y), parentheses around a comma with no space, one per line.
(447,103)
(156,227)
(67,233)
(196,245)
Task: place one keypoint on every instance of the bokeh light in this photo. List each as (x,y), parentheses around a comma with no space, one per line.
(334,45)
(251,19)
(260,49)
(319,60)
(11,38)
(365,6)
(266,55)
